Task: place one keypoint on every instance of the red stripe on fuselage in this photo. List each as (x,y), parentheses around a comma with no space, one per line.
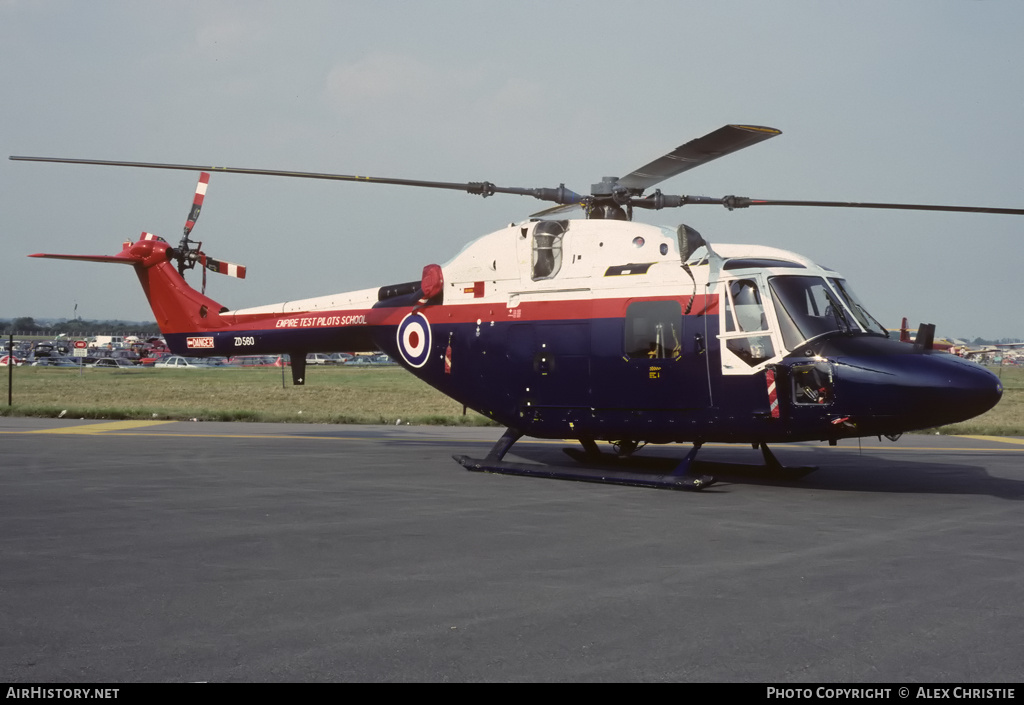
(464,313)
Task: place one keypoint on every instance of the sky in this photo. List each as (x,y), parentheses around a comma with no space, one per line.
(920,101)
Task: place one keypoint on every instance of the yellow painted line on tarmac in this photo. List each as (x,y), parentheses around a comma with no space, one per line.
(94,428)
(120,428)
(117,428)
(292,437)
(254,436)
(997,439)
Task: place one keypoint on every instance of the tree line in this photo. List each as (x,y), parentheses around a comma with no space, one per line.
(27,325)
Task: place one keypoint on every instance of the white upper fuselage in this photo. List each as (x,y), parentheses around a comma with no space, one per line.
(593,262)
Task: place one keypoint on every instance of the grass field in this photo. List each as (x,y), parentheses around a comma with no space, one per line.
(1007,418)
(368,395)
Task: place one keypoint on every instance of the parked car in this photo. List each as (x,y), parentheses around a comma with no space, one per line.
(56,361)
(320,359)
(151,352)
(114,363)
(178,362)
(51,347)
(151,362)
(378,359)
(251,361)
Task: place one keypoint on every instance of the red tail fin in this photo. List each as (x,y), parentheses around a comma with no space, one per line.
(178,307)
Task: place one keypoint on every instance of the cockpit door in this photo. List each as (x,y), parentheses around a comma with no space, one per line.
(747,329)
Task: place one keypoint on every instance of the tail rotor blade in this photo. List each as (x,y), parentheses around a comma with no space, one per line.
(197,203)
(222,267)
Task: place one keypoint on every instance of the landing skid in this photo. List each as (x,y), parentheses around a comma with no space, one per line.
(772,468)
(678,479)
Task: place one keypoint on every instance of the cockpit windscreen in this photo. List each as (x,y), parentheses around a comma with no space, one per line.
(807,307)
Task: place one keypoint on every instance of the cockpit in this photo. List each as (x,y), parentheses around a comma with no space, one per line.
(765,315)
(809,306)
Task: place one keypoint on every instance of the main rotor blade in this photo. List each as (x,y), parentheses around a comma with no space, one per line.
(560,195)
(731,202)
(724,140)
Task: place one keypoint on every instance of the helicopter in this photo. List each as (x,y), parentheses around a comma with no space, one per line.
(600,329)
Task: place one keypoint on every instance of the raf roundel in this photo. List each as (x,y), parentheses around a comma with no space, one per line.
(414,339)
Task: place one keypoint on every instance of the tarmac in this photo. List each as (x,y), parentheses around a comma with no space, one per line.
(221,552)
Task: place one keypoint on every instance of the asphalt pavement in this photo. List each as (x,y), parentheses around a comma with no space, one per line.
(223,552)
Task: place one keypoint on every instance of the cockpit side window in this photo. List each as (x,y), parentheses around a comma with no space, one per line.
(746,302)
(746,335)
(547,248)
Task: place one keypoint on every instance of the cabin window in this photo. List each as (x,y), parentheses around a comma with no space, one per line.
(547,248)
(653,329)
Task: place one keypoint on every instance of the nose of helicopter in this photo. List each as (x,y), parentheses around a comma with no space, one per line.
(967,389)
(921,389)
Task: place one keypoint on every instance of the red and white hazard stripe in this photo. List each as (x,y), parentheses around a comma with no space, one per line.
(216,265)
(773,398)
(197,202)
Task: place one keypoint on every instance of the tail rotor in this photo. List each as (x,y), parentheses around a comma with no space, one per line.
(189,253)
(190,222)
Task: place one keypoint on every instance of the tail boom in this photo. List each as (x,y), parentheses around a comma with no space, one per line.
(194,324)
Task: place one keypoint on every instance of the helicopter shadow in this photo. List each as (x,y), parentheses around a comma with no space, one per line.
(828,470)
